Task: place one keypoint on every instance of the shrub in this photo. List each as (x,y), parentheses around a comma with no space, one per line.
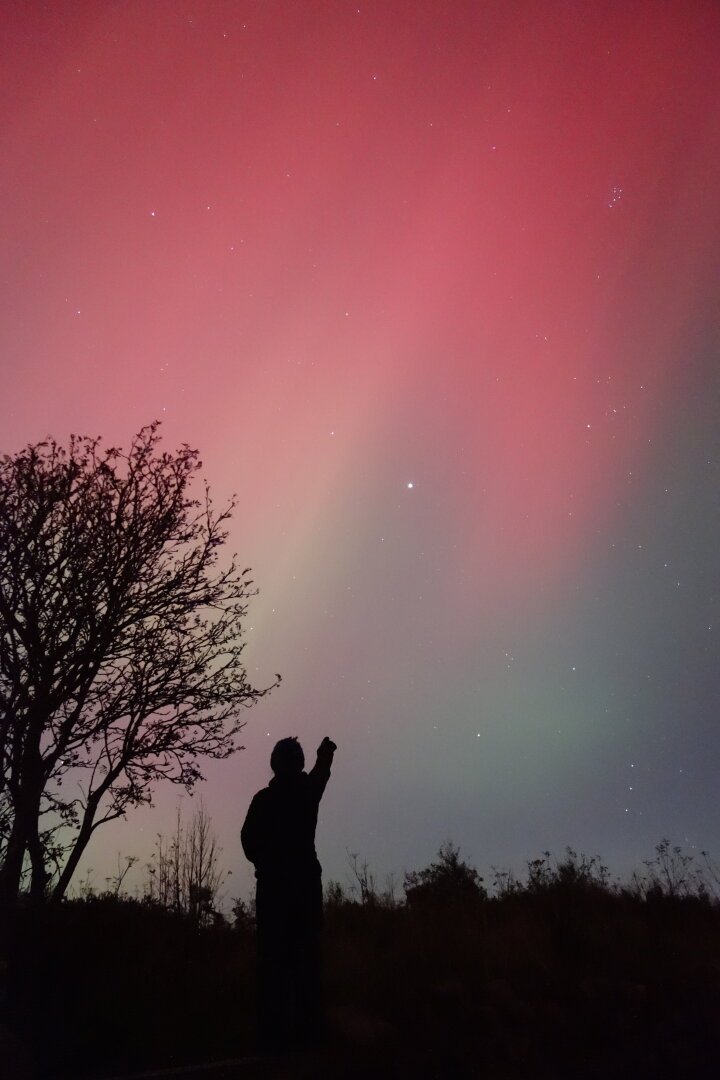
(450,880)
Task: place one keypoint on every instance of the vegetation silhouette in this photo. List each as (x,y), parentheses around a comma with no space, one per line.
(278,838)
(559,972)
(184,873)
(122,649)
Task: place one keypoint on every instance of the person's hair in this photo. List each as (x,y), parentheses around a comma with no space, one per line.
(287,756)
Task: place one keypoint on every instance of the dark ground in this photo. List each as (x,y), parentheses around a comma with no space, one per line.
(562,978)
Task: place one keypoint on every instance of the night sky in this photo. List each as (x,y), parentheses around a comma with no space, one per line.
(434,288)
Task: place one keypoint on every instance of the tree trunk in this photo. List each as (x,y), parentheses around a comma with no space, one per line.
(25,824)
(74,857)
(86,830)
(83,837)
(39,879)
(28,765)
(11,870)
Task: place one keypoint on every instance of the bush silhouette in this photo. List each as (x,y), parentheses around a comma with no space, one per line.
(447,881)
(558,973)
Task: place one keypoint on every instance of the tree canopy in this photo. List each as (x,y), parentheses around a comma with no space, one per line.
(120,643)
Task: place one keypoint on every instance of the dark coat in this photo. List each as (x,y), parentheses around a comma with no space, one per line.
(278,836)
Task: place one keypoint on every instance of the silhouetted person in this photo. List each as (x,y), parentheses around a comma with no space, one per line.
(279,838)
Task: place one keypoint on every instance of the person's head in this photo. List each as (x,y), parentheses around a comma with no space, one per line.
(287,757)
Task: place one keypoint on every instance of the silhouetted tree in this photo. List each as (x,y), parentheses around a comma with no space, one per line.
(184,872)
(120,646)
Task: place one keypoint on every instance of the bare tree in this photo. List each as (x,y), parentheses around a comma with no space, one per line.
(203,875)
(120,643)
(184,872)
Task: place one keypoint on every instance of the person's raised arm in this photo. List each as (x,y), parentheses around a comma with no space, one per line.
(320,772)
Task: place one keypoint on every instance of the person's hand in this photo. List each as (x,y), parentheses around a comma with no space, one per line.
(327,746)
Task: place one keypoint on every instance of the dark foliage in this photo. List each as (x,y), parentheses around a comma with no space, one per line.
(559,974)
(449,881)
(108,985)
